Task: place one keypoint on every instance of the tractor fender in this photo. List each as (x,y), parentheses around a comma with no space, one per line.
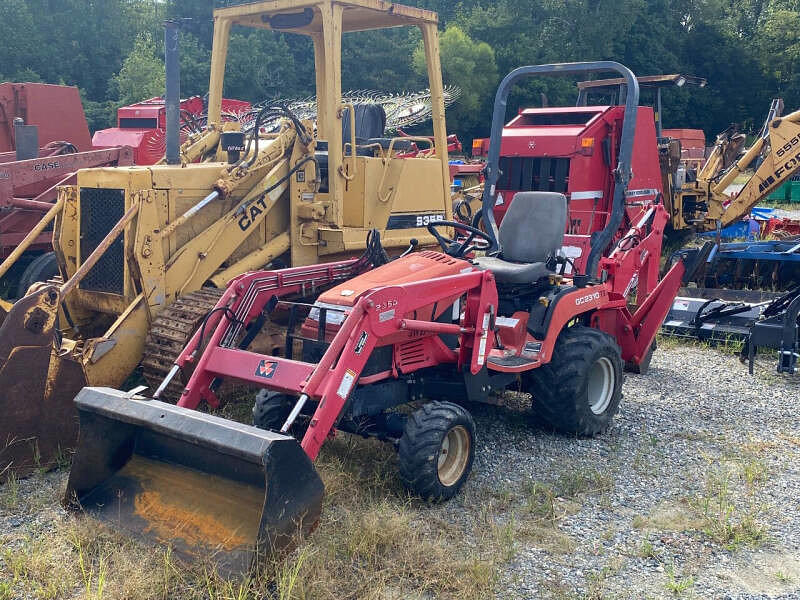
(562,308)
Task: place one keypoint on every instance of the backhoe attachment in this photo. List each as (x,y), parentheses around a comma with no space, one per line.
(212,489)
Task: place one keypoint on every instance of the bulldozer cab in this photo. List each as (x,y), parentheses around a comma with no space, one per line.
(363,182)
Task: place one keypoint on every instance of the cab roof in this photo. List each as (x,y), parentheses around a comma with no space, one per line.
(304,16)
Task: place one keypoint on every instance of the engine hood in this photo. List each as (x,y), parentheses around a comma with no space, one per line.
(418,266)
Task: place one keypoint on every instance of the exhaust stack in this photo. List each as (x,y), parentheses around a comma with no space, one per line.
(172,99)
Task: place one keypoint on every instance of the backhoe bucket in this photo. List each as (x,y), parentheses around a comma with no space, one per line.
(39,424)
(215,490)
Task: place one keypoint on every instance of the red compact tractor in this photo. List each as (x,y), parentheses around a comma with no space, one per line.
(395,348)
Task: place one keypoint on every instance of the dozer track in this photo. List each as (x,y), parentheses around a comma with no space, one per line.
(173,328)
(170,333)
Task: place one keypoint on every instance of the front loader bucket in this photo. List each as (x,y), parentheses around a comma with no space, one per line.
(215,490)
(38,422)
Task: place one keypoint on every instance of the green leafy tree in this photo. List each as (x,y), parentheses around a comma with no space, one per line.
(195,65)
(142,74)
(259,67)
(380,60)
(470,65)
(19,51)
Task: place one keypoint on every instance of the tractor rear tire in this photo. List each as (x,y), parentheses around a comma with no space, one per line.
(41,268)
(271,410)
(579,390)
(436,450)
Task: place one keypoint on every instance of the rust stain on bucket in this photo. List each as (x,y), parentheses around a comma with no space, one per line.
(202,510)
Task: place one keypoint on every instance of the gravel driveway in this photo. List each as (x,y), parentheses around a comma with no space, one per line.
(693,493)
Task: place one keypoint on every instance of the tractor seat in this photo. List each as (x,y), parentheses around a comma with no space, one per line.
(532,230)
(370,122)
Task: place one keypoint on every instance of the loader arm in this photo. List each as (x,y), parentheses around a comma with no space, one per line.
(780,162)
(376,319)
(707,203)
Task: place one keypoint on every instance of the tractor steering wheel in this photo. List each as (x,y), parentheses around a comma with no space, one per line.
(456,248)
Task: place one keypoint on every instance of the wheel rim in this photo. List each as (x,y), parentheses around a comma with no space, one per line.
(453,455)
(601,385)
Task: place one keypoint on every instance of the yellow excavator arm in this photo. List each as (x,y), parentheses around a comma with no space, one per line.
(774,157)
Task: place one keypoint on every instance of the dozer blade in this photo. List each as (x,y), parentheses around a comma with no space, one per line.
(213,489)
(39,424)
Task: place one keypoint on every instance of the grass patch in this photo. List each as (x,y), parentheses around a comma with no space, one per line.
(729,345)
(789,206)
(729,521)
(646,550)
(540,501)
(668,516)
(9,493)
(583,481)
(783,577)
(670,342)
(677,584)
(373,542)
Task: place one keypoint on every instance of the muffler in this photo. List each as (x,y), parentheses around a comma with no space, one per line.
(215,490)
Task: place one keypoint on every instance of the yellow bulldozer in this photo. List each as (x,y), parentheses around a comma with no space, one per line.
(143,251)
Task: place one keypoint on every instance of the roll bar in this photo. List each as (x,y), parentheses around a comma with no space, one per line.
(622,173)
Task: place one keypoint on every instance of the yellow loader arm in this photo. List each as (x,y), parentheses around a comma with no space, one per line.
(707,203)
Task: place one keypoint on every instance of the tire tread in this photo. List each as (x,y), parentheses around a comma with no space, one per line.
(557,387)
(419,446)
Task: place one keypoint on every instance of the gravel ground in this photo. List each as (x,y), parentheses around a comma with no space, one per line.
(695,416)
(692,493)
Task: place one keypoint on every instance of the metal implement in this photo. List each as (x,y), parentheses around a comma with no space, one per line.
(777,328)
(55,109)
(212,489)
(28,190)
(757,319)
(713,320)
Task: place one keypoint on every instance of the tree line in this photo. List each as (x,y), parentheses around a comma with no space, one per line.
(113,51)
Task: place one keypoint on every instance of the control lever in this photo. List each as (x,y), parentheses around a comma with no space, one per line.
(413,243)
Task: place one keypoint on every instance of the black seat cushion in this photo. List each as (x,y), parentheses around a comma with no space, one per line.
(370,122)
(510,272)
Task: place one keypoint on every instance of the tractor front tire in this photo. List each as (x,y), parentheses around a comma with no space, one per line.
(271,409)
(436,450)
(579,390)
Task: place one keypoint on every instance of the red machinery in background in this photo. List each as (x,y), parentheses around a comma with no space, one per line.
(44,140)
(55,109)
(28,187)
(143,125)
(693,146)
(572,150)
